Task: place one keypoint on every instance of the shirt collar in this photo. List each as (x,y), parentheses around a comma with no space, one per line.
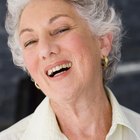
(43,124)
(118,116)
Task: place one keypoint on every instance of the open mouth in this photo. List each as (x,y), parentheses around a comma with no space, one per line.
(59,69)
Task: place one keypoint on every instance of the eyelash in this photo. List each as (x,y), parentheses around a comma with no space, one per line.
(55,32)
(30,42)
(59,31)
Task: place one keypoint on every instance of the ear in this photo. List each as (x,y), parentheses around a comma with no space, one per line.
(106,44)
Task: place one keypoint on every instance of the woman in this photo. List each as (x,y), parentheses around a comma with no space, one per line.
(70,48)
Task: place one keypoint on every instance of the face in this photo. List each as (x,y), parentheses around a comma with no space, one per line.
(60,52)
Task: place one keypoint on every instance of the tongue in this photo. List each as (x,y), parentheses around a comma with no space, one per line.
(60,71)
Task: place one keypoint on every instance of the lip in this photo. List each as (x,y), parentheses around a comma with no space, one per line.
(50,66)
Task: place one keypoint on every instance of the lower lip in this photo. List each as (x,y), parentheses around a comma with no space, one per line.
(60,76)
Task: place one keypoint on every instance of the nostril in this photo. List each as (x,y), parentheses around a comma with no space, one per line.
(46,50)
(43,53)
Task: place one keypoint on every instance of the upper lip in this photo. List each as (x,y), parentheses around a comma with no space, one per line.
(52,65)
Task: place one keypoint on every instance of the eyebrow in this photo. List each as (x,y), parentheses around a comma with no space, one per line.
(51,20)
(57,16)
(25,30)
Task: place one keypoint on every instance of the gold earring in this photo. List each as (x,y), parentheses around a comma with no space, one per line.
(105,62)
(37,86)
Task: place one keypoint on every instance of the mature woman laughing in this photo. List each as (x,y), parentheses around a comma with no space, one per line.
(70,48)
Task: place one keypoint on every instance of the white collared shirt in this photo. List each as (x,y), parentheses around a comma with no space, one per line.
(42,124)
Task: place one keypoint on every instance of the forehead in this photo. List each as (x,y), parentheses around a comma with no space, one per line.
(38,11)
(48,6)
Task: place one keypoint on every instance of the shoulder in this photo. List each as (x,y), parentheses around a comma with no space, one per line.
(133,118)
(15,132)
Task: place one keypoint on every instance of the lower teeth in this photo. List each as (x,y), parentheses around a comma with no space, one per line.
(59,72)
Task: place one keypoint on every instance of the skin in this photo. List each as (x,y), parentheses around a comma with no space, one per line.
(52,33)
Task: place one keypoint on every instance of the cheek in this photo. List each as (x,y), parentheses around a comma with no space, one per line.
(82,46)
(85,52)
(75,43)
(30,62)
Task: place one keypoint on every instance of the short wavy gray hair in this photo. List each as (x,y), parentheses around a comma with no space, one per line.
(100,16)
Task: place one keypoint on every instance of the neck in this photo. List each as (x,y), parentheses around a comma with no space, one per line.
(84,117)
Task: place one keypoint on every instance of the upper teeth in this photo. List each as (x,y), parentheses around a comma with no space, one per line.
(59,67)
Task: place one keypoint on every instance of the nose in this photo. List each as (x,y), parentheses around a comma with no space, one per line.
(48,49)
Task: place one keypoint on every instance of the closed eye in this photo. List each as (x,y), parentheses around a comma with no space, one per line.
(30,42)
(59,31)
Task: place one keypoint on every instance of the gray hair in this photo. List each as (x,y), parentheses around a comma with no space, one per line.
(100,16)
